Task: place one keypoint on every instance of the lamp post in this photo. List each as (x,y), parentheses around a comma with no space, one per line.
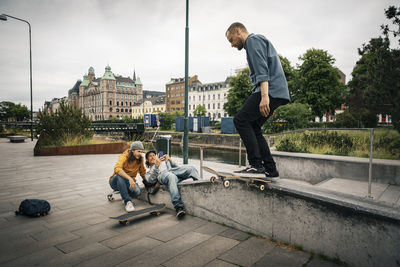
(4,17)
(186,120)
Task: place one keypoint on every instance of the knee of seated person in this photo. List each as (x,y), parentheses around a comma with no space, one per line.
(171,177)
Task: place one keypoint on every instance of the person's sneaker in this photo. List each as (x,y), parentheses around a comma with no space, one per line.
(129,206)
(272,175)
(180,212)
(251,170)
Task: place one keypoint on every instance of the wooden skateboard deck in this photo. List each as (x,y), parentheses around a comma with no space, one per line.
(124,218)
(225,176)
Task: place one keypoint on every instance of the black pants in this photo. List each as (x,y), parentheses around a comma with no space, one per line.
(248,122)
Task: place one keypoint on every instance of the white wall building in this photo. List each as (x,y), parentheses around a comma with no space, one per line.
(212,96)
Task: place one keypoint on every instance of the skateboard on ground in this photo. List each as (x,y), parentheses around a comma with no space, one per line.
(255,181)
(153,210)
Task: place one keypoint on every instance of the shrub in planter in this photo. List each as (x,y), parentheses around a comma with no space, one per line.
(68,122)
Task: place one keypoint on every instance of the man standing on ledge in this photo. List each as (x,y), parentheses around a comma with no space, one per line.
(270,90)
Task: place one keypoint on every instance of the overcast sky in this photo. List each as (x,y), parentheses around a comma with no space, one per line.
(149,36)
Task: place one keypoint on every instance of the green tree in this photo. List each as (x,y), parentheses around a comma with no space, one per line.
(167,119)
(288,117)
(346,120)
(239,91)
(392,13)
(68,122)
(319,84)
(292,77)
(10,110)
(200,110)
(375,87)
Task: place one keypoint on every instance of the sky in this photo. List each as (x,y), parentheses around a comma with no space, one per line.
(148,36)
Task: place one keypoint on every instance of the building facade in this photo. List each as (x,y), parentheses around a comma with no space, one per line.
(111,96)
(175,93)
(212,96)
(148,105)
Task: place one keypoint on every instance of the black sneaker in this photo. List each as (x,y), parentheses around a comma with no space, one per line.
(272,175)
(251,170)
(180,212)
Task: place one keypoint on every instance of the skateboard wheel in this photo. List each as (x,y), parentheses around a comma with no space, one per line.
(124,222)
(262,187)
(110,197)
(226,183)
(212,179)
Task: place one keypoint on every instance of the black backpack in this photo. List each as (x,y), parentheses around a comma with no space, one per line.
(33,208)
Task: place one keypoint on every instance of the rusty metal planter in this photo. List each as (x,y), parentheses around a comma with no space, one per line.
(110,148)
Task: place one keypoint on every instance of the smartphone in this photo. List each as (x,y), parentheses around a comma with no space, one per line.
(160,154)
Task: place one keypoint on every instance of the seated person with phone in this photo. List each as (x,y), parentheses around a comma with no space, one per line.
(163,170)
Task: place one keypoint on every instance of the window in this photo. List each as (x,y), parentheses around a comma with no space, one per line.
(126,110)
(126,103)
(213,105)
(218,96)
(213,97)
(122,110)
(208,105)
(110,102)
(117,110)
(209,97)
(194,107)
(117,103)
(218,106)
(110,94)
(122,104)
(204,97)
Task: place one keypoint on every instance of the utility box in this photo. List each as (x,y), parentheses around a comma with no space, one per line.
(163,144)
(195,124)
(227,125)
(150,119)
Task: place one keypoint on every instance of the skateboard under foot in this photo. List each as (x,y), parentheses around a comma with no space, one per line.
(256,182)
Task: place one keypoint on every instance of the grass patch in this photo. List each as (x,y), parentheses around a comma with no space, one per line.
(386,143)
(76,141)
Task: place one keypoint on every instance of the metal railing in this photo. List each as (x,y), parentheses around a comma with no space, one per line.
(371,144)
(371,137)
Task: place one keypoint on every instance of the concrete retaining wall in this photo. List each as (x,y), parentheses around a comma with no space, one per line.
(312,168)
(356,231)
(316,168)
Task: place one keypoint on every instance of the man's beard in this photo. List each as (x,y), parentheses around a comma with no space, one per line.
(240,45)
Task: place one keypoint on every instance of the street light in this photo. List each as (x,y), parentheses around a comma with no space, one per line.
(4,17)
(186,119)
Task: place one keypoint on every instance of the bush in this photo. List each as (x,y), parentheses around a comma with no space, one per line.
(68,122)
(346,120)
(331,142)
(168,119)
(288,117)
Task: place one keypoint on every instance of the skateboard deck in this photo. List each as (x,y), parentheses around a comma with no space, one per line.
(124,218)
(254,181)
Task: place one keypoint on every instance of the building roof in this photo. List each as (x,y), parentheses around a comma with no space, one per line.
(85,81)
(108,75)
(75,88)
(124,79)
(138,81)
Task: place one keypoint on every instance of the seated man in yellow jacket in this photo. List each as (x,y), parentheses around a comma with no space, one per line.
(123,179)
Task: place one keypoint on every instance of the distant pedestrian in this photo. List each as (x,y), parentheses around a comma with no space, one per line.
(270,90)
(129,164)
(164,171)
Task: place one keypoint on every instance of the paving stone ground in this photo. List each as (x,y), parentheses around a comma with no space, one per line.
(78,231)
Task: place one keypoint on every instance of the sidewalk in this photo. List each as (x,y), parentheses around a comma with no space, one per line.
(78,232)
